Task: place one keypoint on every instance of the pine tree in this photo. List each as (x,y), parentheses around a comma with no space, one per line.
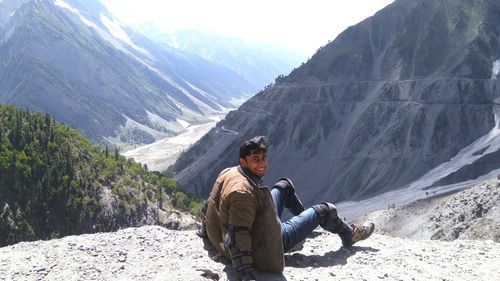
(24,230)
(6,226)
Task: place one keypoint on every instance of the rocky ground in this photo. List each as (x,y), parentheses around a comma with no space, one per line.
(156,253)
(470,214)
(454,237)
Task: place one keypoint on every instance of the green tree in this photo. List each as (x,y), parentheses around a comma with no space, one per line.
(7,226)
(181,200)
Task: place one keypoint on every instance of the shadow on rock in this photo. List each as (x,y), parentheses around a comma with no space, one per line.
(260,276)
(213,253)
(338,257)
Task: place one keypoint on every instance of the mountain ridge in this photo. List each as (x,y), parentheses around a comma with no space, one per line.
(246,58)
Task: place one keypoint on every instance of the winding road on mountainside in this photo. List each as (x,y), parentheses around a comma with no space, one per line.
(225,131)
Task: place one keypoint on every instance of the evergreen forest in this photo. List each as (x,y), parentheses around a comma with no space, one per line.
(55,182)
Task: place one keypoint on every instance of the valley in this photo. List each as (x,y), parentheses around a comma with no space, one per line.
(161,154)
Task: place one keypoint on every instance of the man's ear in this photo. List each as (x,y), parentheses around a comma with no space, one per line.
(243,163)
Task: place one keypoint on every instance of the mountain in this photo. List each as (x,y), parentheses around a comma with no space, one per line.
(74,60)
(405,98)
(472,214)
(258,63)
(156,253)
(54,182)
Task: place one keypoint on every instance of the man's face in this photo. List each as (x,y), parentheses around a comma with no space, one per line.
(256,163)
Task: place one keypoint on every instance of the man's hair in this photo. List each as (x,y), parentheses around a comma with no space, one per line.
(253,145)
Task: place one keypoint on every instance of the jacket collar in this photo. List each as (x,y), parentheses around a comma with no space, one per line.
(254,180)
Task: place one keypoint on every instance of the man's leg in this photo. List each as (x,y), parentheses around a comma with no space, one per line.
(278,196)
(297,228)
(284,196)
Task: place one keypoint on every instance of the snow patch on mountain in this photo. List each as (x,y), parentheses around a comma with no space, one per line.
(88,22)
(115,28)
(67,6)
(420,189)
(159,121)
(209,96)
(183,123)
(131,124)
(488,143)
(495,69)
(114,36)
(200,104)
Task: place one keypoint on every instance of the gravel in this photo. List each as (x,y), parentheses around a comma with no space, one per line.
(157,253)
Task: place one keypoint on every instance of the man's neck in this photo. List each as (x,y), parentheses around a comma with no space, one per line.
(253,177)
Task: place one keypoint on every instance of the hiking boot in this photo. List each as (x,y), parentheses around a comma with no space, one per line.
(292,201)
(330,221)
(361,232)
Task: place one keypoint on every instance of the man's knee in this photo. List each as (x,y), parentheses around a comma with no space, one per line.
(292,201)
(325,210)
(329,220)
(285,184)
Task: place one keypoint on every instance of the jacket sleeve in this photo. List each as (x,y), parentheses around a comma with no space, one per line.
(242,210)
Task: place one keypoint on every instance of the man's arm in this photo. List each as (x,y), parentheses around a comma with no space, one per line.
(242,210)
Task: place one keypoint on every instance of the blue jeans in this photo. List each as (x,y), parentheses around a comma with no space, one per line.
(296,228)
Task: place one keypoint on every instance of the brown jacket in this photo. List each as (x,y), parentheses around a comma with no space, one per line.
(240,200)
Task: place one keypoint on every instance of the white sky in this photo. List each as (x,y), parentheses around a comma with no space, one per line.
(304,25)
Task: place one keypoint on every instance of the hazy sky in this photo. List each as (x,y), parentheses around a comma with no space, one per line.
(304,25)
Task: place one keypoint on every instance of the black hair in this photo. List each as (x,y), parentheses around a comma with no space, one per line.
(253,145)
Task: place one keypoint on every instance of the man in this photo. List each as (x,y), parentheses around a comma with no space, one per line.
(243,216)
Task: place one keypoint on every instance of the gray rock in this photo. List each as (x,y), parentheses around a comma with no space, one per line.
(181,255)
